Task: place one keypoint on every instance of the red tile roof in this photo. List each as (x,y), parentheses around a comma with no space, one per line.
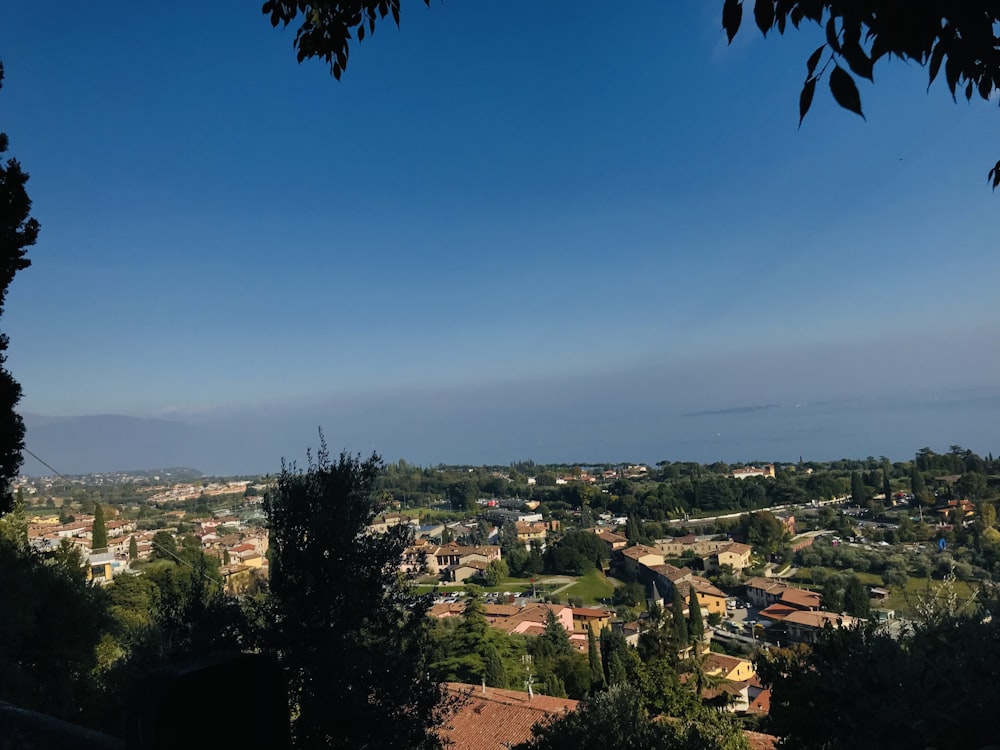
(497,719)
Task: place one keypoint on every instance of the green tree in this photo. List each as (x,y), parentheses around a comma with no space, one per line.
(696,626)
(594,662)
(496,572)
(133,549)
(856,599)
(18,232)
(164,546)
(677,619)
(916,480)
(859,496)
(869,674)
(99,534)
(346,628)
(886,486)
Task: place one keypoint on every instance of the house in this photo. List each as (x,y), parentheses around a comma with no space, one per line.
(763,592)
(457,562)
(638,559)
(766,471)
(383,523)
(100,567)
(805,627)
(711,600)
(614,541)
(531,620)
(734,554)
(493,719)
(594,619)
(528,532)
(236,578)
(731,668)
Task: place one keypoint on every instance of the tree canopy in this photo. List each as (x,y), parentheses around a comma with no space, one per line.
(958,38)
(346,628)
(18,232)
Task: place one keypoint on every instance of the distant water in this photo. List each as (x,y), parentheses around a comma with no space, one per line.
(838,429)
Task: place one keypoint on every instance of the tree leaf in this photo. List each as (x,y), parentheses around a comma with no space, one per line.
(806,98)
(857,59)
(763,14)
(813,61)
(831,34)
(732,16)
(937,55)
(951,72)
(995,175)
(844,91)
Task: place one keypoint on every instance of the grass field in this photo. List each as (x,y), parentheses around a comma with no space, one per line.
(590,587)
(902,600)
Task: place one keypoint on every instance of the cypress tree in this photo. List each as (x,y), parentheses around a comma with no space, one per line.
(916,480)
(858,495)
(133,549)
(594,661)
(494,672)
(99,534)
(696,626)
(680,626)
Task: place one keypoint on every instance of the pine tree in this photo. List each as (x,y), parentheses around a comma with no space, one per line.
(696,626)
(345,627)
(99,535)
(886,486)
(133,549)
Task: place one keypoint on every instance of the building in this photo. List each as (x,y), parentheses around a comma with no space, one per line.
(493,719)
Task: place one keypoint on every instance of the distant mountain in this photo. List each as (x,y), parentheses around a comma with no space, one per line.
(105,443)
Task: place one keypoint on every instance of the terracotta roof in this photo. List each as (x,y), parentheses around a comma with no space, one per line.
(641,550)
(801,599)
(496,719)
(761,741)
(724,662)
(588,612)
(761,704)
(820,619)
(778,611)
(671,572)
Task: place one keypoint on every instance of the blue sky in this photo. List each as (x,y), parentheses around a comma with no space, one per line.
(536,199)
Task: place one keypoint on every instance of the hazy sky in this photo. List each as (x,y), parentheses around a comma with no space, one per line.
(503,210)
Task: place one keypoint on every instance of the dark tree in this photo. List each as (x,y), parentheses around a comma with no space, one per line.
(959,38)
(858,494)
(99,532)
(18,232)
(678,623)
(856,599)
(696,626)
(350,634)
(594,662)
(133,549)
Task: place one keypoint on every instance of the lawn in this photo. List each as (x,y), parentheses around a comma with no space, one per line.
(590,588)
(902,600)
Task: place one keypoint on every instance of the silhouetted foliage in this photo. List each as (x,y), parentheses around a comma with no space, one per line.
(327,27)
(933,687)
(350,634)
(18,231)
(51,624)
(960,37)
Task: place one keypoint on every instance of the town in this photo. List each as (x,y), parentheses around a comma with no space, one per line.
(542,583)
